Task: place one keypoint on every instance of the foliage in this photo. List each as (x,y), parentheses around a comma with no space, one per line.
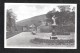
(10,19)
(65,16)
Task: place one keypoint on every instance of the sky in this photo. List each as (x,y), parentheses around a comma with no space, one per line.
(28,10)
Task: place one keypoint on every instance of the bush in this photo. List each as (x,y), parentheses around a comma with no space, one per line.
(52,42)
(46,29)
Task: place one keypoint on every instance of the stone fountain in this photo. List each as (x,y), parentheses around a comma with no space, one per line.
(50,36)
(54,25)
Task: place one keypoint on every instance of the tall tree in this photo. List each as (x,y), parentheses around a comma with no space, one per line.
(11,18)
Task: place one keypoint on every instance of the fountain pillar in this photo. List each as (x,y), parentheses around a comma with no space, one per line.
(54,25)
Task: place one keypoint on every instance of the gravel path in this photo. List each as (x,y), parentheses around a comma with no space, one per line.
(23,40)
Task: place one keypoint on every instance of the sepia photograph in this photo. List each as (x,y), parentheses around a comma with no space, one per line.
(40,25)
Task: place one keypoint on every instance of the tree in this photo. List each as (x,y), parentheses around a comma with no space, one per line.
(65,16)
(11,18)
(50,14)
(64,7)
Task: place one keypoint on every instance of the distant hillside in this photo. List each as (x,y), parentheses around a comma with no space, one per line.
(36,19)
(33,20)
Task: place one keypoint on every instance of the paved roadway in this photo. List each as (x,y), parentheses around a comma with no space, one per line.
(23,40)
